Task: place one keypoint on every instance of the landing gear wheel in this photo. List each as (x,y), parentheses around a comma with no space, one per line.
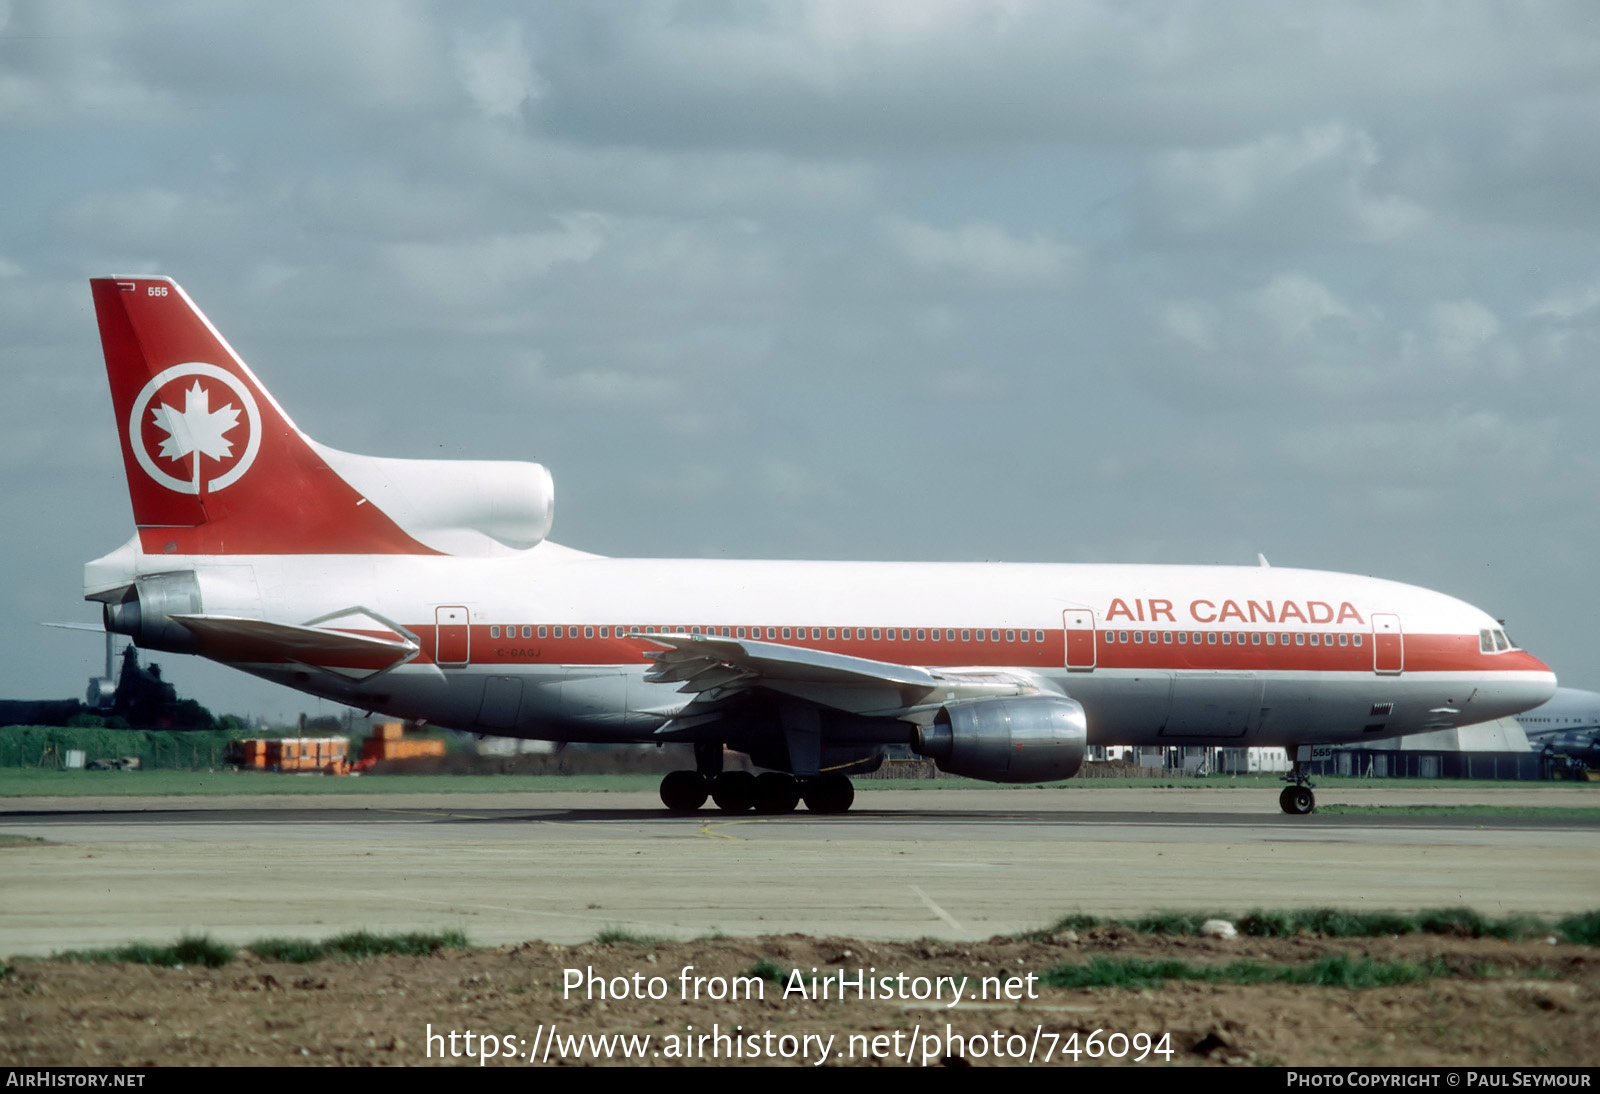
(734,791)
(776,792)
(1297,800)
(684,791)
(829,794)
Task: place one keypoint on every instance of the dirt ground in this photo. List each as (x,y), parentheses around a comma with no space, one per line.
(1525,1003)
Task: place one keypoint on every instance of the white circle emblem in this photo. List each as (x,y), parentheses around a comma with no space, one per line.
(197,430)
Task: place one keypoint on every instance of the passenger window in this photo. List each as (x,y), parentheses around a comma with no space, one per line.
(1344,640)
(1314,640)
(832,634)
(1183,638)
(786,632)
(1255,638)
(1138,637)
(980,636)
(966,636)
(1300,639)
(1026,636)
(559,632)
(1211,638)
(605,632)
(494,632)
(922,635)
(1227,638)
(1038,636)
(934,634)
(1272,639)
(588,632)
(741,632)
(876,634)
(544,632)
(1122,636)
(1011,636)
(1356,640)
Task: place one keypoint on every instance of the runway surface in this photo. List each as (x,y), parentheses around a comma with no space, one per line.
(953,864)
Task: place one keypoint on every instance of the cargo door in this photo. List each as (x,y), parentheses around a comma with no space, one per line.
(502,700)
(452,642)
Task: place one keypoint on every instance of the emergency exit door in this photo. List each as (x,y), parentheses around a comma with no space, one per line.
(452,642)
(1079,626)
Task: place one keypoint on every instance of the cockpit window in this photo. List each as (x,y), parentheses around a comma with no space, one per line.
(1501,642)
(1485,641)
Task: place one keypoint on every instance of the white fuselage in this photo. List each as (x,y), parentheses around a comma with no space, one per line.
(551,643)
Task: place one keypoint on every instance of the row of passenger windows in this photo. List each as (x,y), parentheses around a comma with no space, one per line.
(1227,638)
(846,634)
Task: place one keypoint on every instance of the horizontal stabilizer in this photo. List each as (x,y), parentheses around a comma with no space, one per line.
(256,641)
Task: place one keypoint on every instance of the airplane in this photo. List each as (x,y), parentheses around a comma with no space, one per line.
(1567,725)
(429,590)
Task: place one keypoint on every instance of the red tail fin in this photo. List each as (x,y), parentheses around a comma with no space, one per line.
(215,467)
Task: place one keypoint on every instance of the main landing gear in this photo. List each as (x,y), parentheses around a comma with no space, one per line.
(771,792)
(1297,799)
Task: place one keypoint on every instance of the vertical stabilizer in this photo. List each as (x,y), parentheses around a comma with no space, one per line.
(215,467)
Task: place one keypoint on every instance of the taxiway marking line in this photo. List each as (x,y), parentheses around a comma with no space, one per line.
(935,909)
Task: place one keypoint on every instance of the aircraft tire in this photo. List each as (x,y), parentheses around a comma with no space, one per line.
(776,792)
(684,791)
(830,793)
(734,791)
(1297,801)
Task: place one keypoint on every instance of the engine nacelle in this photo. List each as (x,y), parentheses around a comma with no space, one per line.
(144,612)
(467,508)
(1040,738)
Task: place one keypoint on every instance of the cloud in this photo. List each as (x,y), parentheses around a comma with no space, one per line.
(1319,181)
(497,70)
(482,271)
(980,250)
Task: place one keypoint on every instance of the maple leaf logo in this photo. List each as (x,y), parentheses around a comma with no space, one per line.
(197,429)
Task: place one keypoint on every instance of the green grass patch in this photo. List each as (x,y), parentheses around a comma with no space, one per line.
(1583,928)
(621,936)
(188,950)
(8,840)
(203,950)
(358,944)
(1338,923)
(767,969)
(1337,971)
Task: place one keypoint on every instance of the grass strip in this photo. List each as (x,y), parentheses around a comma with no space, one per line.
(358,944)
(1337,971)
(1337,923)
(621,936)
(188,950)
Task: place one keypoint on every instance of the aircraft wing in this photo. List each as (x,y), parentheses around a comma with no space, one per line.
(715,669)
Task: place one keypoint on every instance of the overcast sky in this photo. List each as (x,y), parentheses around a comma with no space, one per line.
(1019,281)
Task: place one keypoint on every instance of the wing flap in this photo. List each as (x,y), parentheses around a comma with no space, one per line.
(717,668)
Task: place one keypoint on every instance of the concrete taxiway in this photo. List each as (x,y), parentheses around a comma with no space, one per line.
(564,866)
